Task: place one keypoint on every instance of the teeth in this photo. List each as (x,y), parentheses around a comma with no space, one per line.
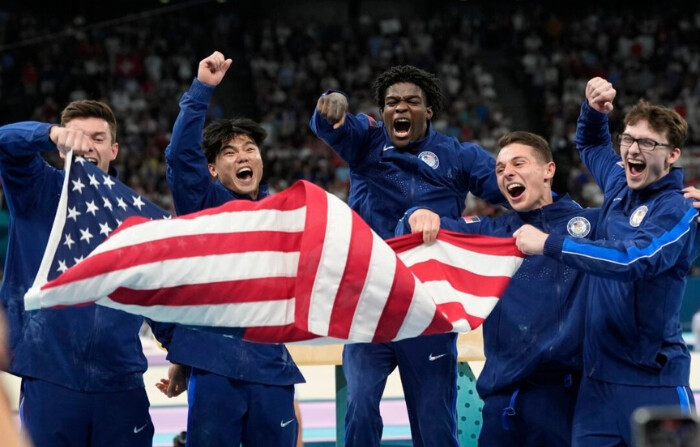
(244,170)
(514,185)
(635,162)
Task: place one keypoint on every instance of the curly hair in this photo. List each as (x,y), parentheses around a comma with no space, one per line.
(219,132)
(427,82)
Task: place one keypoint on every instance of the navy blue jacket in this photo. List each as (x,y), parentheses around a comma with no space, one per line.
(643,248)
(537,325)
(90,348)
(193,190)
(435,172)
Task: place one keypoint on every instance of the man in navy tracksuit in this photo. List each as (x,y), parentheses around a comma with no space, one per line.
(533,336)
(238,392)
(394,165)
(638,259)
(81,367)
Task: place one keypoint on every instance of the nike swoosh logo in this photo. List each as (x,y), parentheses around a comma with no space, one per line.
(284,424)
(432,357)
(138,429)
(386,148)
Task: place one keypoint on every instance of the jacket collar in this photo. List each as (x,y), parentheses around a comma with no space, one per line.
(561,206)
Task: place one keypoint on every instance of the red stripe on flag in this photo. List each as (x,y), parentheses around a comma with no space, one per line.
(439,325)
(277,334)
(311,249)
(198,245)
(397,304)
(245,291)
(488,245)
(460,279)
(354,277)
(455,311)
(290,199)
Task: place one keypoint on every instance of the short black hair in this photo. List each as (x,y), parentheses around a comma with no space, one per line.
(221,131)
(427,82)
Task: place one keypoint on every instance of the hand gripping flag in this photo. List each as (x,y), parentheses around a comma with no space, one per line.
(297,266)
(92,205)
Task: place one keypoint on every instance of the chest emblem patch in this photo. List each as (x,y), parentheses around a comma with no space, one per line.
(578,227)
(638,215)
(429,159)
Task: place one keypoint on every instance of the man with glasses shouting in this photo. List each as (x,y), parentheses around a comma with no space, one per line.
(637,261)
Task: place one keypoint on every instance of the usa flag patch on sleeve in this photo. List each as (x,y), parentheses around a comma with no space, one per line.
(471,219)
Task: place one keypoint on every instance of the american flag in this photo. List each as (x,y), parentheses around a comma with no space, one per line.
(92,205)
(297,266)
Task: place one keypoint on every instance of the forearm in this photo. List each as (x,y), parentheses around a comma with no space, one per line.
(187,173)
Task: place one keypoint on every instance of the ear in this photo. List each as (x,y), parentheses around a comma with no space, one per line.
(674,155)
(429,112)
(212,169)
(115,151)
(549,170)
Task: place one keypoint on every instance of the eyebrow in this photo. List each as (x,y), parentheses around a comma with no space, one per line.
(519,157)
(245,144)
(405,98)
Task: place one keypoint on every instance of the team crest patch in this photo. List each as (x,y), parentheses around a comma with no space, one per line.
(578,227)
(471,219)
(638,215)
(429,159)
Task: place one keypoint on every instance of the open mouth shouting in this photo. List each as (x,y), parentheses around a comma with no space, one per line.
(245,175)
(402,128)
(515,190)
(635,167)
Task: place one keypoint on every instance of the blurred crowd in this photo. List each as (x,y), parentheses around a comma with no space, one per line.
(141,64)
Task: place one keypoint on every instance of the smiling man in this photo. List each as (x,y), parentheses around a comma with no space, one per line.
(637,261)
(239,393)
(533,337)
(395,164)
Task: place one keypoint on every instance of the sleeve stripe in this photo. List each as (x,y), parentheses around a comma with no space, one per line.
(633,254)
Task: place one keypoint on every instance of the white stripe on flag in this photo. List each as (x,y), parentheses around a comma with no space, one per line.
(331,266)
(420,313)
(443,292)
(475,262)
(194,270)
(225,222)
(375,292)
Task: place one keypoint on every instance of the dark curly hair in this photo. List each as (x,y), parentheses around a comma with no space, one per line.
(427,82)
(223,130)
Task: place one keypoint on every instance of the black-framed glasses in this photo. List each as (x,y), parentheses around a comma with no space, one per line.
(645,144)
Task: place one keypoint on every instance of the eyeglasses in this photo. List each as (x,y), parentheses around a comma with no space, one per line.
(645,144)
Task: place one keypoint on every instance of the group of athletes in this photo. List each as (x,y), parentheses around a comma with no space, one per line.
(587,331)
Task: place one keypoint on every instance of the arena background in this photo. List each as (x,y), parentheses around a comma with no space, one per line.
(504,65)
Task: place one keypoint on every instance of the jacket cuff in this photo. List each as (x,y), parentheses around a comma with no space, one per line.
(201,91)
(553,245)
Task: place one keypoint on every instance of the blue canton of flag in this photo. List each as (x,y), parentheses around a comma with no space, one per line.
(92,205)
